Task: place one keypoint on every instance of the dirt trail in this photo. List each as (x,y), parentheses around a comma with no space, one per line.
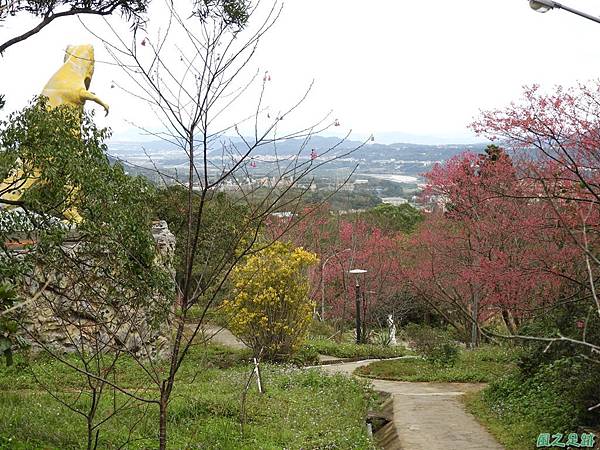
(430,416)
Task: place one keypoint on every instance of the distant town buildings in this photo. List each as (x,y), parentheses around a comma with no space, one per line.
(394,201)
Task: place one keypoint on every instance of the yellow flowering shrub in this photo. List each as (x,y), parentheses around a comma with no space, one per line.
(270,310)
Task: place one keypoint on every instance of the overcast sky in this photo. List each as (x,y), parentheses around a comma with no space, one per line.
(422,68)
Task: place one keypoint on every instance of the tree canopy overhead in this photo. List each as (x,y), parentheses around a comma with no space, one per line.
(47,11)
(234,13)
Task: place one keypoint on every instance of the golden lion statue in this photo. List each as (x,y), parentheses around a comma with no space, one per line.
(68,86)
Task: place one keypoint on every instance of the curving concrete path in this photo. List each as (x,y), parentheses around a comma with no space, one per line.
(429,416)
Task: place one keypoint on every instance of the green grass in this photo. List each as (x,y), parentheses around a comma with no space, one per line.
(353,350)
(513,432)
(552,399)
(482,365)
(300,409)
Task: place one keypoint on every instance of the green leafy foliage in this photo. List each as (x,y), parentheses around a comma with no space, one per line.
(549,374)
(445,353)
(321,329)
(433,344)
(45,145)
(404,218)
(341,200)
(233,13)
(115,262)
(305,356)
(570,320)
(553,387)
(7,327)
(221,233)
(517,408)
(548,398)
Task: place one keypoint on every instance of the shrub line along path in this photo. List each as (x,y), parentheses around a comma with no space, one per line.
(427,416)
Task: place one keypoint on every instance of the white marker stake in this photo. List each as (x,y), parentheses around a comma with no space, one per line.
(258,380)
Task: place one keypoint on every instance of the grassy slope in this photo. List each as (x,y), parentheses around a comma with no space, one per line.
(301,409)
(483,365)
(514,433)
(552,399)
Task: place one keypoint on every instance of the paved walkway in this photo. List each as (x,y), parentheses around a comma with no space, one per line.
(222,336)
(427,416)
(430,416)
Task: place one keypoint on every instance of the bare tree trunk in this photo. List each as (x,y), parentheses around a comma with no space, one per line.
(508,322)
(89,433)
(162,438)
(475,320)
(90,421)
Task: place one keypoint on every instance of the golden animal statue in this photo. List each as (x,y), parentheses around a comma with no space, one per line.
(68,86)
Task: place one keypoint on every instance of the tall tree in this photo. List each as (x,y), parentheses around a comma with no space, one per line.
(192,78)
(96,283)
(554,138)
(488,252)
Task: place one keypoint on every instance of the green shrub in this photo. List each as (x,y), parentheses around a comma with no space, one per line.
(351,350)
(564,321)
(556,397)
(319,328)
(8,327)
(306,356)
(433,344)
(445,354)
(554,386)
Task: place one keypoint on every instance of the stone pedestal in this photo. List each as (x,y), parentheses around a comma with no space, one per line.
(67,322)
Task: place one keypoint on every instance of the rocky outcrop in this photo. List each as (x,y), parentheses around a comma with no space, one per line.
(63,320)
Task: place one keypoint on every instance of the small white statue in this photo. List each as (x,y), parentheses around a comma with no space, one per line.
(392,330)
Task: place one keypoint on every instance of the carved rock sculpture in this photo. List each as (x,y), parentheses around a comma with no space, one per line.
(65,325)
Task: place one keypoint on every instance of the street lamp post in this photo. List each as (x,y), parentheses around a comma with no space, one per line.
(357,272)
(543,6)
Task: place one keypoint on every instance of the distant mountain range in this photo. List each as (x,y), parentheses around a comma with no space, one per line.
(390,137)
(372,157)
